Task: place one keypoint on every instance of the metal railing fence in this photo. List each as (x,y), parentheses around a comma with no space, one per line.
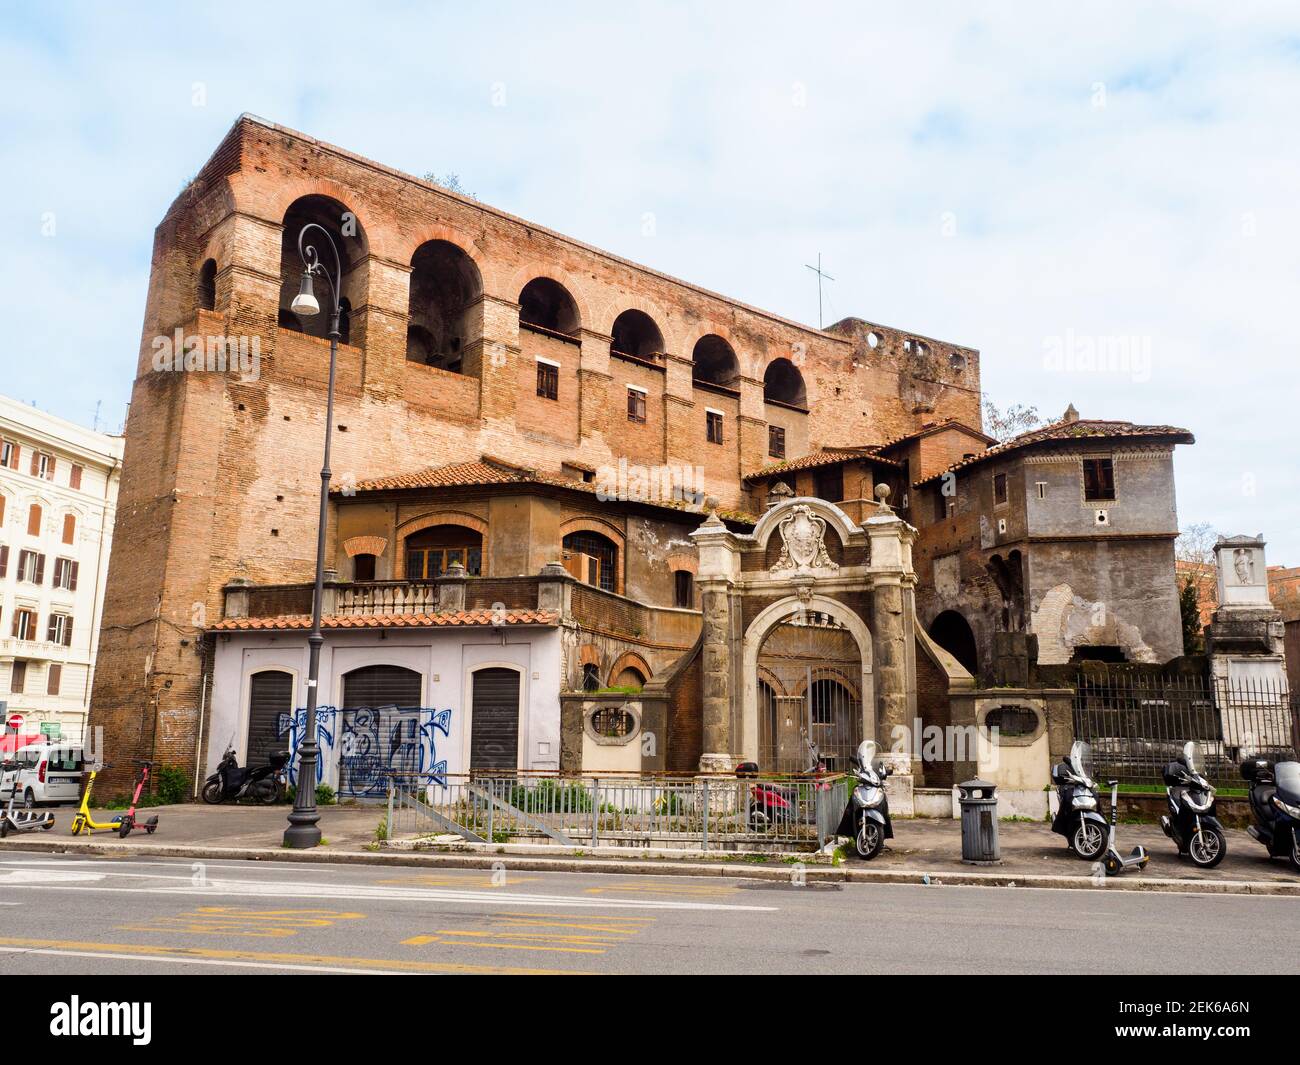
(1136,724)
(709,813)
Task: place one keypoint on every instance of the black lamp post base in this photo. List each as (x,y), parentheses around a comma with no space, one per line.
(303,832)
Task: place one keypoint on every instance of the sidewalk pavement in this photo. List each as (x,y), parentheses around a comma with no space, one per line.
(923,851)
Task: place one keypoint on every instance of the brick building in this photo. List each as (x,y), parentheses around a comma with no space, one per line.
(529,435)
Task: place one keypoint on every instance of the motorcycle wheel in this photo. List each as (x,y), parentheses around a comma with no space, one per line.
(1295,850)
(265,794)
(1207,848)
(1089,841)
(869,840)
(212,793)
(758,820)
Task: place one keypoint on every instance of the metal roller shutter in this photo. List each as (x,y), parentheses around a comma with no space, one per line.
(270,694)
(494,738)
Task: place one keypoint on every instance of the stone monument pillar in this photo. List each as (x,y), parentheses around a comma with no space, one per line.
(719,565)
(1244,643)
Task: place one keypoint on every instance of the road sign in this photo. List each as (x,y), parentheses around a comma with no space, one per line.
(14,721)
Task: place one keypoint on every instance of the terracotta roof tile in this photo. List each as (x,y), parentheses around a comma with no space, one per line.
(1066,431)
(483,472)
(823,457)
(443,618)
(935,427)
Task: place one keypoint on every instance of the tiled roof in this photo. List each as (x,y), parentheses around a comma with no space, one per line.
(823,457)
(935,427)
(443,618)
(1067,432)
(482,472)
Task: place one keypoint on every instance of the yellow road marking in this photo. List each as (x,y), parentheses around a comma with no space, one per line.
(165,952)
(233,921)
(515,931)
(689,890)
(468,939)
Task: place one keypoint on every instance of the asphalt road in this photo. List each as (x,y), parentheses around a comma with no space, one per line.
(64,914)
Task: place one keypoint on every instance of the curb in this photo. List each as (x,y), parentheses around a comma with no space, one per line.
(662,867)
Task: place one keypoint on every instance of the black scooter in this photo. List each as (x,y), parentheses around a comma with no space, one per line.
(1275,800)
(1078,817)
(1192,822)
(230,782)
(866,818)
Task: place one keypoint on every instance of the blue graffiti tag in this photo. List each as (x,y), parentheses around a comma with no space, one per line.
(374,742)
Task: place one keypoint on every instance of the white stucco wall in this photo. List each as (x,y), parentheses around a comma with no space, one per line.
(445,659)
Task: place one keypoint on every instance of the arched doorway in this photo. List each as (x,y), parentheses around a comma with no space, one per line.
(808,682)
(494,720)
(953,633)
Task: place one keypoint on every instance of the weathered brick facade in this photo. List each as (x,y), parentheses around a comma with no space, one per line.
(221,470)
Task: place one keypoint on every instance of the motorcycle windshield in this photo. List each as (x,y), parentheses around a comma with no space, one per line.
(1287,777)
(866,756)
(1081,759)
(1192,757)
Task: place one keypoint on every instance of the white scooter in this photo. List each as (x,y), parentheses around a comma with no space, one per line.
(1115,863)
(12,820)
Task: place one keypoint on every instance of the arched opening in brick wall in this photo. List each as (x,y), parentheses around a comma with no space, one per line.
(783,383)
(592,559)
(953,633)
(636,334)
(445,288)
(715,362)
(546,305)
(349,238)
(206,296)
(431,552)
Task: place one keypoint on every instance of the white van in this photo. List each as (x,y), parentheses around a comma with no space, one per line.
(46,774)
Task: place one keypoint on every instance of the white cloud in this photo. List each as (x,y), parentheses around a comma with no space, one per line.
(758,135)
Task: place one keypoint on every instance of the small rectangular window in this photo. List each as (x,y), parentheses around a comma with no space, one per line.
(713,426)
(775,442)
(635,404)
(1042,489)
(548,381)
(74,477)
(8,454)
(1098,479)
(363,567)
(999,488)
(18,678)
(828,484)
(940,505)
(684,588)
(53,679)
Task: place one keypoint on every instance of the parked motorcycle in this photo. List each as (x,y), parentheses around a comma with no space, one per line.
(1192,822)
(772,804)
(866,818)
(1275,801)
(231,782)
(1078,818)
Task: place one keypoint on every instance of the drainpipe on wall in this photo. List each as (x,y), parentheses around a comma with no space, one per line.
(203,706)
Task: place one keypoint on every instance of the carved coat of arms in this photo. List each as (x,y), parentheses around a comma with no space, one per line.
(803,542)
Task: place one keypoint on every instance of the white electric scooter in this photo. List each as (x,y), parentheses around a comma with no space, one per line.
(1115,863)
(12,820)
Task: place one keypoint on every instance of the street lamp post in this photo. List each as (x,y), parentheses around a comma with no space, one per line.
(304,830)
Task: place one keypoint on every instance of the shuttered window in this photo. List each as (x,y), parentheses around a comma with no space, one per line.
(494,722)
(53,679)
(69,528)
(34,520)
(270,694)
(74,478)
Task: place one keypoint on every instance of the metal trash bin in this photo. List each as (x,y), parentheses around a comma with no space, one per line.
(979,823)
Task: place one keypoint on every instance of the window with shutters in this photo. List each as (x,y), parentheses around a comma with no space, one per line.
(53,678)
(34,518)
(18,677)
(65,574)
(3,502)
(59,629)
(4,560)
(548,380)
(74,477)
(775,442)
(713,426)
(8,454)
(635,404)
(24,627)
(69,528)
(43,465)
(31,567)
(1098,479)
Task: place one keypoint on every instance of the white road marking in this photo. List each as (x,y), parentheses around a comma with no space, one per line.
(46,876)
(200,961)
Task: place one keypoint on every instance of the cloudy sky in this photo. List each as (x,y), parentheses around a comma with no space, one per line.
(1036,181)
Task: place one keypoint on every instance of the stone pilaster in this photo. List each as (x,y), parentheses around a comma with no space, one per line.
(716,578)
